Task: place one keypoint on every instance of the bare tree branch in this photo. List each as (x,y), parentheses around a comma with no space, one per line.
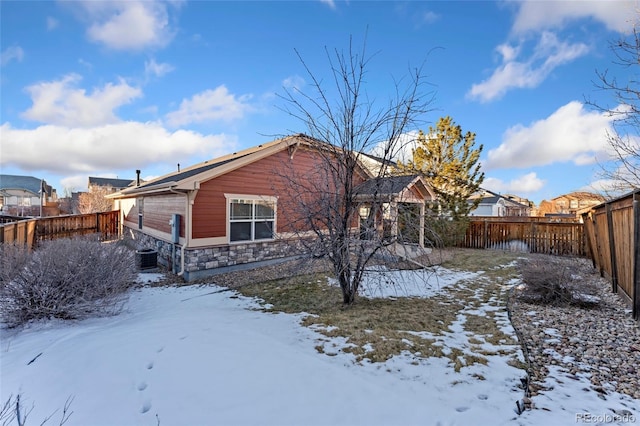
(343,124)
(622,170)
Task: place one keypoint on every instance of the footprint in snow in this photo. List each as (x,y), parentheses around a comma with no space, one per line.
(150,365)
(160,349)
(483,397)
(146,406)
(461,409)
(142,386)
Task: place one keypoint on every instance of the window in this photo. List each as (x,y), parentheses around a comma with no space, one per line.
(251,219)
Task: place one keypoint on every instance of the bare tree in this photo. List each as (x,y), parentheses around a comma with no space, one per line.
(623,173)
(340,202)
(94,201)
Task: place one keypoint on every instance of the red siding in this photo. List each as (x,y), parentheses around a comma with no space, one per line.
(268,176)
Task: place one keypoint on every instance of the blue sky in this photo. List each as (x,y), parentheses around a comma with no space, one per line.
(104,88)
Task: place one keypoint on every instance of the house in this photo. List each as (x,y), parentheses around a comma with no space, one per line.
(26,196)
(518,199)
(492,204)
(94,199)
(113,184)
(572,204)
(240,209)
(378,166)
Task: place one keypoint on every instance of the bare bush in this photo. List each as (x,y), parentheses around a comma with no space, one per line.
(65,278)
(14,411)
(554,281)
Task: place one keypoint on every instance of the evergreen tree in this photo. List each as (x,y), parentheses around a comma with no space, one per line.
(446,158)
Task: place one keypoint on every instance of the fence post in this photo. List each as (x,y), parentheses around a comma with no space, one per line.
(485,234)
(612,249)
(587,241)
(636,256)
(31,234)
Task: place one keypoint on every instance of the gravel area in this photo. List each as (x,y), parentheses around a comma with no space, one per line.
(601,342)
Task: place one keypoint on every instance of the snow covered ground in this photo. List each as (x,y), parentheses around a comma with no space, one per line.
(201,355)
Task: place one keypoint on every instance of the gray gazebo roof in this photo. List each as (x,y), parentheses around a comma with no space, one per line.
(386,185)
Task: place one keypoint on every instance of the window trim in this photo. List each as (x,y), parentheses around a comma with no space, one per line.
(253,220)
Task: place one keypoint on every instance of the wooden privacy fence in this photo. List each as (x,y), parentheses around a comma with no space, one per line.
(565,238)
(613,230)
(31,231)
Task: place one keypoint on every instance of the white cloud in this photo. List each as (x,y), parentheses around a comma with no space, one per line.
(536,15)
(535,18)
(152,68)
(211,105)
(525,184)
(85,64)
(13,53)
(430,17)
(608,187)
(62,103)
(128,25)
(126,145)
(294,82)
(52,23)
(548,54)
(569,134)
(402,149)
(330,3)
(73,184)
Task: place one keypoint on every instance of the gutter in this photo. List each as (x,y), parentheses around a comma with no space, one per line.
(152,189)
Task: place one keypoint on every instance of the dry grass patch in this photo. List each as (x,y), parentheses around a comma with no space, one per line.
(379,325)
(475,260)
(378,329)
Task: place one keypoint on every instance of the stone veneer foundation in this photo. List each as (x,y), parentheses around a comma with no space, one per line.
(206,261)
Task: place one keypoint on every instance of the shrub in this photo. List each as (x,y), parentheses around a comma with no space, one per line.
(445,232)
(553,281)
(13,410)
(64,278)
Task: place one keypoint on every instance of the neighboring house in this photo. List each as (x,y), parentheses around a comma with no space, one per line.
(237,209)
(70,204)
(518,199)
(492,204)
(25,196)
(114,184)
(94,199)
(572,204)
(378,166)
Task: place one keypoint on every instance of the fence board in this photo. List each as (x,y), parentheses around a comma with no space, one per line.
(545,236)
(616,238)
(31,231)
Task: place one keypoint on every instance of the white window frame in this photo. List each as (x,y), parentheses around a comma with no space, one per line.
(253,198)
